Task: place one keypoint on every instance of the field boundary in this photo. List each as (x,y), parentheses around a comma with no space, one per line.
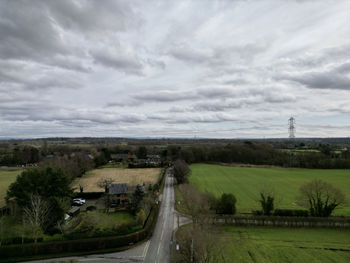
(275,221)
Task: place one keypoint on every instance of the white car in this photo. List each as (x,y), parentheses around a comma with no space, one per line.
(78,201)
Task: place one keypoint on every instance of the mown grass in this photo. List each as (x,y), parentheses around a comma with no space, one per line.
(7,177)
(245,183)
(264,244)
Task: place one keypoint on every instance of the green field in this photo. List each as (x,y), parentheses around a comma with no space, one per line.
(245,183)
(264,244)
(7,176)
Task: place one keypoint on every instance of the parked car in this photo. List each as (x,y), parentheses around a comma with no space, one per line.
(78,201)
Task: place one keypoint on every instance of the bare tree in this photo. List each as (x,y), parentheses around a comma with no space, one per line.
(321,197)
(198,244)
(197,204)
(105,183)
(36,215)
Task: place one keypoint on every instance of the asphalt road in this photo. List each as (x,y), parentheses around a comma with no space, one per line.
(155,250)
(159,248)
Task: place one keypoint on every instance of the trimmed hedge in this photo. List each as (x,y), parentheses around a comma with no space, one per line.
(19,240)
(279,221)
(291,212)
(81,245)
(89,195)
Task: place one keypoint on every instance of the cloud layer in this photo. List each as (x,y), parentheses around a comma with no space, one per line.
(174,68)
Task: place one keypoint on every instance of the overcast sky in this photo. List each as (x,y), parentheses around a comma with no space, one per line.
(233,69)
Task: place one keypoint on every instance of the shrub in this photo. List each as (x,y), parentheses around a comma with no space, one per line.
(91,208)
(258,212)
(266,201)
(226,204)
(141,217)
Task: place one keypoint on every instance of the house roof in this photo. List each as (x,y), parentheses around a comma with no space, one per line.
(118,189)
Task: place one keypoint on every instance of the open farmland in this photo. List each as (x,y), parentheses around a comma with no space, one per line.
(245,183)
(119,175)
(7,176)
(265,244)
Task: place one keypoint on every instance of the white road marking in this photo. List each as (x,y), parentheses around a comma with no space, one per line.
(161,236)
(145,250)
(158,248)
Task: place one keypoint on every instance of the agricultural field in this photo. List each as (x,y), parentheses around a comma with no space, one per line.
(265,244)
(7,176)
(119,175)
(245,183)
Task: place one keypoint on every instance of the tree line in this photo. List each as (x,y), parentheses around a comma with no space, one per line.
(260,154)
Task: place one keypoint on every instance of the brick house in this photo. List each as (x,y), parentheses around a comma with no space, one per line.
(119,194)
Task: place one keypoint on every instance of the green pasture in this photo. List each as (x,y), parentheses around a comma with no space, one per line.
(7,176)
(265,244)
(245,183)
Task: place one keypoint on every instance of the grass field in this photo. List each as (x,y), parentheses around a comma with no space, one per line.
(7,176)
(245,183)
(264,244)
(120,175)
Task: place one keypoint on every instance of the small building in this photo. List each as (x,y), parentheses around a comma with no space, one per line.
(123,157)
(119,193)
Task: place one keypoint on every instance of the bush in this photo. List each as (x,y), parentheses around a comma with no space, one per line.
(226,204)
(258,212)
(291,212)
(91,208)
(141,217)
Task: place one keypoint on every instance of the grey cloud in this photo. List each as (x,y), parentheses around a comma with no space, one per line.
(218,56)
(119,59)
(196,118)
(172,96)
(90,15)
(165,96)
(27,32)
(322,80)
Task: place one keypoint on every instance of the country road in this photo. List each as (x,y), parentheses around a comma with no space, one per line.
(159,249)
(155,250)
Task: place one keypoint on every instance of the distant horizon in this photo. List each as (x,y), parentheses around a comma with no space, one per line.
(170,138)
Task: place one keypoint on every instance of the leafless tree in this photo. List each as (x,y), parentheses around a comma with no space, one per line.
(197,204)
(198,244)
(36,215)
(321,197)
(105,183)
